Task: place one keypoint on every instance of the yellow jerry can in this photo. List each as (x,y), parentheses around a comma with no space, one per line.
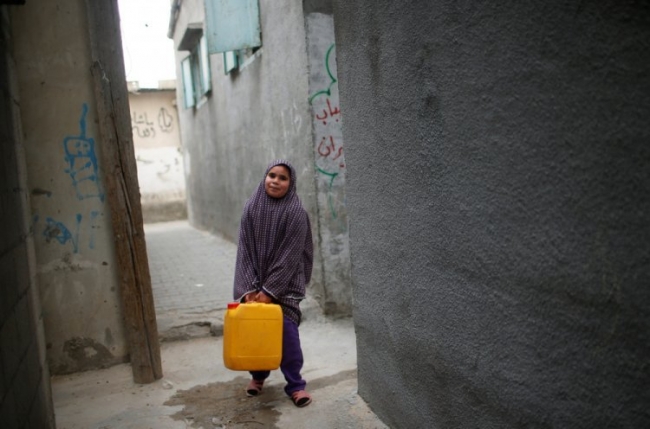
(252,336)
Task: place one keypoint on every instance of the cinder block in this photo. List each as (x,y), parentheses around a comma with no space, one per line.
(25,327)
(9,291)
(24,392)
(38,413)
(8,412)
(8,343)
(21,265)
(34,368)
(4,388)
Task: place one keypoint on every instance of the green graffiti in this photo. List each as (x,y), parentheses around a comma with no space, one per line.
(330,201)
(329,72)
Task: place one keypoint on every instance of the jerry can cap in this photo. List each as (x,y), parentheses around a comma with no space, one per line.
(232,305)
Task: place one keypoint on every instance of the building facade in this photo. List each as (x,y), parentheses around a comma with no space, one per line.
(158,151)
(271,92)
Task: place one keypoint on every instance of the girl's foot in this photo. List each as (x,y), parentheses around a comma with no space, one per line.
(301,398)
(254,388)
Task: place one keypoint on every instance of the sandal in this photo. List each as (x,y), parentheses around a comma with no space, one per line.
(301,398)
(254,388)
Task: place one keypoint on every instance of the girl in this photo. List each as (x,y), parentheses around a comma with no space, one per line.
(274,263)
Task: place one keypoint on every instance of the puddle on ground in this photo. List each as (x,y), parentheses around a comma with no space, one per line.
(225,405)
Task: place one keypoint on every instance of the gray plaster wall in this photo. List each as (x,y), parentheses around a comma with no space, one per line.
(75,258)
(25,396)
(326,119)
(260,113)
(498,183)
(250,118)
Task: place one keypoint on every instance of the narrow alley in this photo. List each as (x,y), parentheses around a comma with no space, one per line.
(192,275)
(474,176)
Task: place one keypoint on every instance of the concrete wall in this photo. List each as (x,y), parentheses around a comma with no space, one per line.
(248,120)
(72,232)
(158,153)
(498,174)
(273,108)
(326,121)
(25,397)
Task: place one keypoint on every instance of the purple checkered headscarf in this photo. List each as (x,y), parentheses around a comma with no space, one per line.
(275,252)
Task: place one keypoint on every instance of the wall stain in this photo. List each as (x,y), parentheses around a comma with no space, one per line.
(39,191)
(87,354)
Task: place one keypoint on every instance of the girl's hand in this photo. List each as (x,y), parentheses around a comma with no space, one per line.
(250,297)
(263,298)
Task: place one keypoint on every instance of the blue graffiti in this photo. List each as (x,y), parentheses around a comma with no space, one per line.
(58,231)
(82,161)
(55,230)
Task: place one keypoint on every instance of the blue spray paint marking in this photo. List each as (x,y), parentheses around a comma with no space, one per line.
(55,230)
(82,161)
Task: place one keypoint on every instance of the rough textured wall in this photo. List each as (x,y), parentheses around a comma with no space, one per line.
(498,170)
(251,117)
(159,155)
(72,232)
(25,397)
(329,159)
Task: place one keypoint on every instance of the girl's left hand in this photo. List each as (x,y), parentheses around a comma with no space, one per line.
(263,298)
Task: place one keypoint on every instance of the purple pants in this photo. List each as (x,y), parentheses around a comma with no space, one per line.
(292,360)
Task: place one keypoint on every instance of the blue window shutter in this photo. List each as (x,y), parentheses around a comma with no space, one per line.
(188,87)
(229,61)
(232,25)
(205,67)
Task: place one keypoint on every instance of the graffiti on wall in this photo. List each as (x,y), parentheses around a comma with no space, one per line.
(332,79)
(144,128)
(56,230)
(82,168)
(330,160)
(82,161)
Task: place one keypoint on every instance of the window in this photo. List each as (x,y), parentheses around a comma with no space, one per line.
(230,61)
(195,68)
(237,60)
(232,25)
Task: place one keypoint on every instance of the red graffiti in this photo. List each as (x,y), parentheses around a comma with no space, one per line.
(327,149)
(329,113)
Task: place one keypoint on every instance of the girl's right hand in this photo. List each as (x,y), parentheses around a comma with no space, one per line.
(250,297)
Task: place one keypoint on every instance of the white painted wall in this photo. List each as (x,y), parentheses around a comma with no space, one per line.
(158,152)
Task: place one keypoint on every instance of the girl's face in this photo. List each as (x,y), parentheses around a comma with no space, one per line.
(277,181)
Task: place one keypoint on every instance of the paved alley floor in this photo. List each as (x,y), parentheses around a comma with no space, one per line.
(192,275)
